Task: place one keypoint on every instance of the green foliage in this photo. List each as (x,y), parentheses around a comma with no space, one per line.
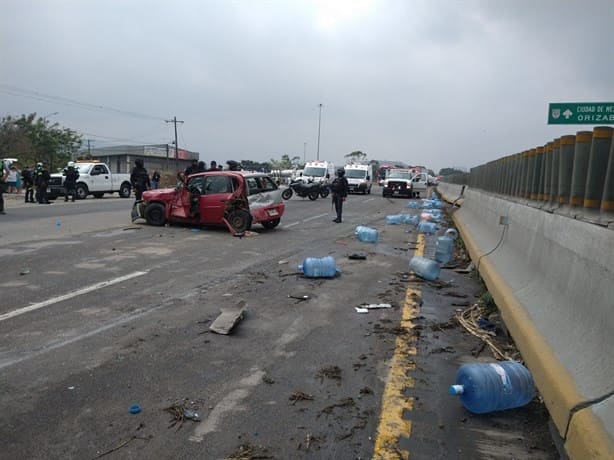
(356,156)
(450,171)
(249,165)
(285,162)
(32,139)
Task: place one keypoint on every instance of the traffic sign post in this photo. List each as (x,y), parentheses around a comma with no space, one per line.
(581,113)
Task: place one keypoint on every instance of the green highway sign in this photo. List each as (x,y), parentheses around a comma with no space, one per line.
(581,113)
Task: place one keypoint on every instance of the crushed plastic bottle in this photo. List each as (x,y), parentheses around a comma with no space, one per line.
(394,219)
(324,267)
(424,268)
(366,234)
(489,387)
(427,227)
(409,219)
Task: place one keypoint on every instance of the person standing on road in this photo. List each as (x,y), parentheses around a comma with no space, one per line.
(213,166)
(191,169)
(41,180)
(28,183)
(339,189)
(4,173)
(155,180)
(70,183)
(139,179)
(202,166)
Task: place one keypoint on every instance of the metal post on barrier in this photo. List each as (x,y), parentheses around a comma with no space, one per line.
(538,154)
(607,201)
(554,172)
(580,168)
(546,175)
(525,175)
(566,159)
(597,167)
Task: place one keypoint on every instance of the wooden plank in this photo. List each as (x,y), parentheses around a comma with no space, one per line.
(228,319)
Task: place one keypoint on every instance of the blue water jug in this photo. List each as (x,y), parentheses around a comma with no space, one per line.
(413,205)
(409,219)
(366,234)
(315,267)
(424,268)
(394,219)
(426,204)
(444,249)
(427,227)
(489,387)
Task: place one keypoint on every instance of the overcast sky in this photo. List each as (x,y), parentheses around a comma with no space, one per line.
(439,83)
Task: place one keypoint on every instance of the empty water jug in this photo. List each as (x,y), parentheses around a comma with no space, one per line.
(409,219)
(366,234)
(394,219)
(323,267)
(413,205)
(444,249)
(427,227)
(489,387)
(424,268)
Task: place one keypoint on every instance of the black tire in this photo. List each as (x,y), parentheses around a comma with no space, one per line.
(155,215)
(313,195)
(81,192)
(124,190)
(286,194)
(98,194)
(369,190)
(269,224)
(240,220)
(324,192)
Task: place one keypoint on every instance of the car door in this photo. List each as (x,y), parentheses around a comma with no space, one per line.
(216,191)
(101,179)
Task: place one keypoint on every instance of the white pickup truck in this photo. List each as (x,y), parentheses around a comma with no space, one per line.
(94,179)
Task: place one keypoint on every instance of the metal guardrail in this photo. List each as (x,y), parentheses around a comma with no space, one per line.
(573,173)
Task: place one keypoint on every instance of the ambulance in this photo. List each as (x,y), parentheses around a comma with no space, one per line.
(318,171)
(359,177)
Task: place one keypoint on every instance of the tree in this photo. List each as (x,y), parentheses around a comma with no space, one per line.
(450,171)
(32,139)
(356,157)
(284,163)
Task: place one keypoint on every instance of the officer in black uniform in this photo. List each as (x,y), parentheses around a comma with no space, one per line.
(139,178)
(41,181)
(28,184)
(193,168)
(339,190)
(70,182)
(4,173)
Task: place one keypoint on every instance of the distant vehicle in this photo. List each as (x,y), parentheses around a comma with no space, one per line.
(359,177)
(221,198)
(383,170)
(398,182)
(318,171)
(94,179)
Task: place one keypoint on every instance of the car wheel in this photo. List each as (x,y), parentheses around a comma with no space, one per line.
(98,195)
(269,224)
(124,190)
(313,195)
(286,194)
(369,191)
(81,191)
(324,193)
(155,215)
(239,219)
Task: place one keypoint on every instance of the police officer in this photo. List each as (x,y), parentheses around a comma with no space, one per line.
(28,184)
(139,178)
(41,180)
(193,168)
(70,183)
(339,189)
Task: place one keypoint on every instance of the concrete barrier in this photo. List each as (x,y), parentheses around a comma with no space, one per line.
(552,278)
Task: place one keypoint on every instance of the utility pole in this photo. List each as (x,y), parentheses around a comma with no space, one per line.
(89,151)
(319,123)
(175,121)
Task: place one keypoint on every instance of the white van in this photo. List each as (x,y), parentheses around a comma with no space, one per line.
(359,177)
(318,171)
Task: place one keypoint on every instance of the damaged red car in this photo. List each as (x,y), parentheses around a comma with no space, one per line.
(233,199)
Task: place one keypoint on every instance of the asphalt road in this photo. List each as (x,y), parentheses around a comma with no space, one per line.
(99,314)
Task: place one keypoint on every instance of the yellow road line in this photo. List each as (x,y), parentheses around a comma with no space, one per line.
(392,425)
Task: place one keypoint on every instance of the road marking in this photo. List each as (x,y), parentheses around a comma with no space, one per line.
(314,217)
(392,425)
(290,225)
(230,403)
(70,295)
(370,199)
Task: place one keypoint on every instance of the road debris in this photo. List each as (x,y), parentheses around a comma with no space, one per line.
(180,414)
(344,403)
(357,256)
(298,298)
(330,372)
(134,409)
(372,306)
(249,452)
(300,396)
(123,444)
(25,271)
(268,380)
(227,320)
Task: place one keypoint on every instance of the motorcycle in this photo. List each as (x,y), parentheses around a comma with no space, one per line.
(310,190)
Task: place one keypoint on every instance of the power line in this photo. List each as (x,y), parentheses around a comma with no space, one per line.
(22,92)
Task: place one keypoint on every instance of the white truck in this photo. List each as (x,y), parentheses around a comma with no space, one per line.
(94,179)
(359,177)
(318,171)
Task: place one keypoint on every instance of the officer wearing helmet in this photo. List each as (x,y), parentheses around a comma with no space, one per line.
(70,182)
(339,189)
(139,178)
(41,180)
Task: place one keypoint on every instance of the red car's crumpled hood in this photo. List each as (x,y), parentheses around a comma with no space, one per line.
(161,194)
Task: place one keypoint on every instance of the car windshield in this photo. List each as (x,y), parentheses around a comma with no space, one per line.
(314,171)
(397,174)
(355,173)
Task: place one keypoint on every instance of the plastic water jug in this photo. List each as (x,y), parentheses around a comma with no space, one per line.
(314,267)
(427,227)
(489,387)
(413,205)
(424,268)
(452,233)
(444,249)
(366,234)
(426,204)
(394,219)
(409,219)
